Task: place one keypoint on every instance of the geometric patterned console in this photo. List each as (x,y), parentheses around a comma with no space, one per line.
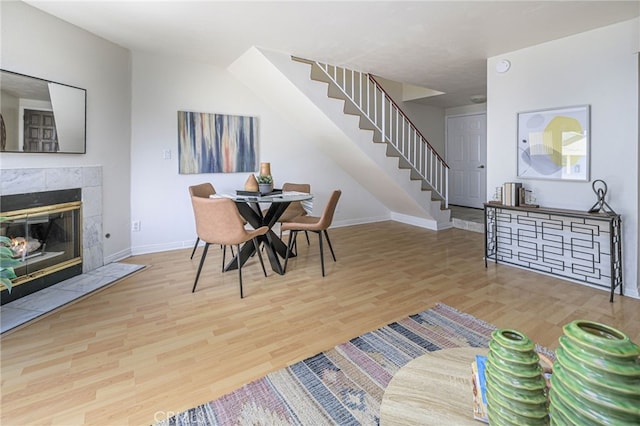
(580,246)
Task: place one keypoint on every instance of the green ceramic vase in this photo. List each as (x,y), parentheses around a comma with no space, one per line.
(516,389)
(596,377)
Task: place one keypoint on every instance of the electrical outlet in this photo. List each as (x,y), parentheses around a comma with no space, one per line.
(166,154)
(135,226)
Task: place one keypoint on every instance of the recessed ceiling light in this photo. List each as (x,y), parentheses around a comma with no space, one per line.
(478,99)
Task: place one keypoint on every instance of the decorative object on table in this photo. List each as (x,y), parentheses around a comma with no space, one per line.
(497,195)
(479,382)
(265,169)
(510,193)
(217,143)
(516,389)
(251,184)
(526,198)
(554,144)
(265,184)
(600,188)
(265,180)
(596,377)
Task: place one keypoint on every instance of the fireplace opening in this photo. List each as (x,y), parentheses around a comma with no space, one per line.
(44,234)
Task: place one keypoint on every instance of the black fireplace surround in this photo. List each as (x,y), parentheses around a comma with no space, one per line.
(46,233)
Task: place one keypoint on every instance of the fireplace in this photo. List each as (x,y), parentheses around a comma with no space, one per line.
(44,233)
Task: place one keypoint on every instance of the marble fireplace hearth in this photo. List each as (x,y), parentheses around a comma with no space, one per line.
(36,305)
(95,275)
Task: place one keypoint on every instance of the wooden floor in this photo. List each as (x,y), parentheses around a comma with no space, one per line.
(146,347)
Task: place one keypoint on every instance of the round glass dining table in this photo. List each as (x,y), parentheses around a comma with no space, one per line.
(249,208)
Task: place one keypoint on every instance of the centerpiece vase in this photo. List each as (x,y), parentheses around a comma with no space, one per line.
(265,169)
(596,377)
(516,389)
(251,183)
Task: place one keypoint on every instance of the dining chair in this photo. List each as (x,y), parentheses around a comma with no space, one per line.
(205,190)
(294,209)
(219,222)
(319,225)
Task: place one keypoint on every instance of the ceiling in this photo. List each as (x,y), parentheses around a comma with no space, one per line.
(440,45)
(22,86)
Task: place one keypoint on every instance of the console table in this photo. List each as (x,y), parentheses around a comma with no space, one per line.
(580,246)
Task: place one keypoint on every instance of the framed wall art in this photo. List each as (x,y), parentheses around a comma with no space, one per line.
(217,143)
(554,143)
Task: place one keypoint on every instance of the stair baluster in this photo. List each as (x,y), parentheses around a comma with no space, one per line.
(393,125)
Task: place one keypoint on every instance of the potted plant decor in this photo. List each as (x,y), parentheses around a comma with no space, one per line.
(265,183)
(7,261)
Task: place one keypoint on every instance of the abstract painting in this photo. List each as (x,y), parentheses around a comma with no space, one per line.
(217,143)
(554,144)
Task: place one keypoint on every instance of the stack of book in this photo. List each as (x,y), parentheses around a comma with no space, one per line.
(479,389)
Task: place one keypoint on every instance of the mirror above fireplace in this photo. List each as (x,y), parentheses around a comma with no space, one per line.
(41,116)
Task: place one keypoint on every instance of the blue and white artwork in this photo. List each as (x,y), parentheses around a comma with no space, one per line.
(217,143)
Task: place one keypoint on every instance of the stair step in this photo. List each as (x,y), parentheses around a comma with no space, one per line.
(433,202)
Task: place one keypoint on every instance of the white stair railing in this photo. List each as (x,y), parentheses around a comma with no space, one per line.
(394,126)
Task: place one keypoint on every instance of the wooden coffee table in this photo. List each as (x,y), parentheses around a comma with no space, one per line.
(433,389)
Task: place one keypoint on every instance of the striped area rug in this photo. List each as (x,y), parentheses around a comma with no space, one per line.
(342,386)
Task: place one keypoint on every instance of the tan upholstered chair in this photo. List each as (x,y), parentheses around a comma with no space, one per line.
(203,190)
(319,225)
(219,222)
(294,209)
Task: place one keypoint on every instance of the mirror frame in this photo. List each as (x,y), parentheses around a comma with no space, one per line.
(77,128)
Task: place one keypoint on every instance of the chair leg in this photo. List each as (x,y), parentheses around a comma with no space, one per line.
(240,274)
(295,244)
(294,247)
(292,239)
(195,247)
(326,234)
(256,245)
(224,256)
(204,254)
(321,252)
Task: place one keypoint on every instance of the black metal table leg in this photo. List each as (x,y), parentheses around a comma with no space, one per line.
(272,244)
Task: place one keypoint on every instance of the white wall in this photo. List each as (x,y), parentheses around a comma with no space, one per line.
(599,68)
(159,195)
(40,45)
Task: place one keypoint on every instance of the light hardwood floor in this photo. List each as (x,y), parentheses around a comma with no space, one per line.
(146,347)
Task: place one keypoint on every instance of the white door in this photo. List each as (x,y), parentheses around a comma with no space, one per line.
(467,158)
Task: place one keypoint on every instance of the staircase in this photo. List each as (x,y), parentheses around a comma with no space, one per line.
(364,97)
(360,117)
